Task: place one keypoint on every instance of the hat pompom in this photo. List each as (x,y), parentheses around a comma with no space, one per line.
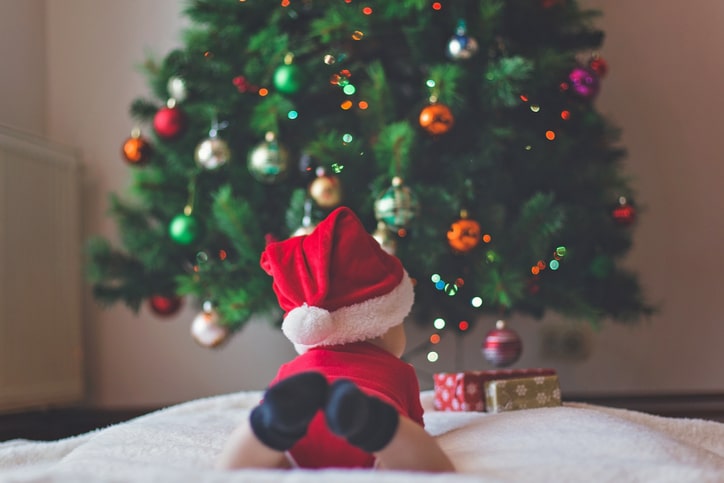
(307,325)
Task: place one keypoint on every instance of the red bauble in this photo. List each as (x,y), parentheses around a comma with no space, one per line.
(502,346)
(164,305)
(136,150)
(598,65)
(624,213)
(551,3)
(169,122)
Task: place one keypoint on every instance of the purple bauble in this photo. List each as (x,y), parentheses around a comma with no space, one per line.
(584,82)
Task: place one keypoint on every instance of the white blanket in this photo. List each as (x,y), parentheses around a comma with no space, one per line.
(576,443)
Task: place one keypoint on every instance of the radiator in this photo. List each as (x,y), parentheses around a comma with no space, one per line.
(41,356)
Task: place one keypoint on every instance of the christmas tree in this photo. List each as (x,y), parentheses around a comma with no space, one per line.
(463,133)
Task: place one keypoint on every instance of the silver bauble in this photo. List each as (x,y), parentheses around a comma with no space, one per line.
(385,238)
(212,153)
(397,206)
(207,330)
(176,88)
(269,161)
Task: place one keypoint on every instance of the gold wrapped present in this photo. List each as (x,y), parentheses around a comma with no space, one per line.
(522,393)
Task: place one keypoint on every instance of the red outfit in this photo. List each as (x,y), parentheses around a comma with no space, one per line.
(377,373)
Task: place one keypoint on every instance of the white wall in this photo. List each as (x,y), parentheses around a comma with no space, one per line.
(665,71)
(22,76)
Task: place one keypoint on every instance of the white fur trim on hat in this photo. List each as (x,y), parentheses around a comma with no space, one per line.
(313,326)
(308,325)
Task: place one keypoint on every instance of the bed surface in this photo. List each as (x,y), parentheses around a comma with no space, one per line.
(576,442)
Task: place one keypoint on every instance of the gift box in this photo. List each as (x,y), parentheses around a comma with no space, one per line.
(465,391)
(522,393)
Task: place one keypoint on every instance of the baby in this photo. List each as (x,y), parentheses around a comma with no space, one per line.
(347,400)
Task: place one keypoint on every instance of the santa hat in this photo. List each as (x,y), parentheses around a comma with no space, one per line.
(337,285)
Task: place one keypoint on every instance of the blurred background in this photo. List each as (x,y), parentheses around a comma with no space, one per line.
(70,71)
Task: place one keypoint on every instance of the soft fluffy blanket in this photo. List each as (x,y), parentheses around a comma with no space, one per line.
(576,442)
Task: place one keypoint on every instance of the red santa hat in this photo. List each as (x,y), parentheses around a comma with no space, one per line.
(337,285)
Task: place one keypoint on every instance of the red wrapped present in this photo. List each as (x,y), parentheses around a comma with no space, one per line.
(465,391)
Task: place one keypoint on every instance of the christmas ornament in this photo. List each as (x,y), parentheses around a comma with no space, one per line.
(624,213)
(169,122)
(207,329)
(164,305)
(397,206)
(385,238)
(176,88)
(185,229)
(136,149)
(584,82)
(326,191)
(307,225)
(269,161)
(436,118)
(212,153)
(288,76)
(598,65)
(243,85)
(502,346)
(461,46)
(465,234)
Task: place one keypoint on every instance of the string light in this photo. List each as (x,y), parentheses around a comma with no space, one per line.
(550,135)
(476,302)
(263,92)
(367,10)
(433,356)
(439,323)
(463,325)
(436,6)
(435,339)
(292,115)
(362,105)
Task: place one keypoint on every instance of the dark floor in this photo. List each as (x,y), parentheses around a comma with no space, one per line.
(52,424)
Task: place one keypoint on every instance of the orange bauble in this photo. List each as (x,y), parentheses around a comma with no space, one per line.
(436,118)
(464,235)
(136,150)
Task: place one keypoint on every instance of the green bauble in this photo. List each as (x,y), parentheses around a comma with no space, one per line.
(185,229)
(397,206)
(288,79)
